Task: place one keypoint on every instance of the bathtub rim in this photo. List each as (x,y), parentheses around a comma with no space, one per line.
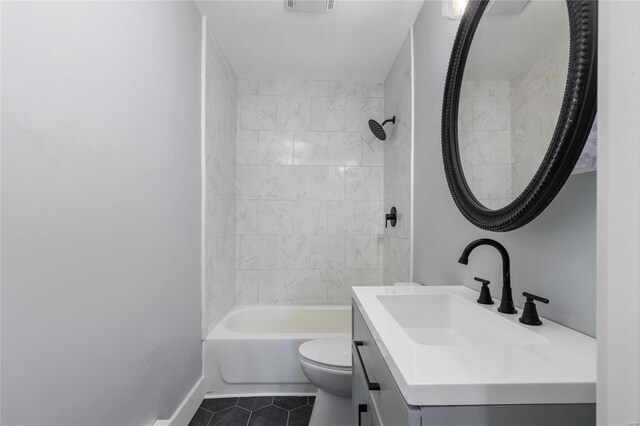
(221,332)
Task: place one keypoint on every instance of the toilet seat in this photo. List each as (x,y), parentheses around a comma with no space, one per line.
(330,352)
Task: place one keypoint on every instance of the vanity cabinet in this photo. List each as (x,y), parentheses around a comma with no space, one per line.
(365,410)
(374,385)
(378,401)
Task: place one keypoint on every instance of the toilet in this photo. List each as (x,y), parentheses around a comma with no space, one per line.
(327,364)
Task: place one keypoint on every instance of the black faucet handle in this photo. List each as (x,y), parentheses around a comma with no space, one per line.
(530,313)
(531,297)
(485,294)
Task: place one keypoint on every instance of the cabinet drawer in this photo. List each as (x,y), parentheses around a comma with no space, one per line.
(391,406)
(359,395)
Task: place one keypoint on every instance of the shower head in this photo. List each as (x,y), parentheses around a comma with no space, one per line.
(377,128)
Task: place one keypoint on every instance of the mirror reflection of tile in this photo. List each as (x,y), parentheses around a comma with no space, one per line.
(589,157)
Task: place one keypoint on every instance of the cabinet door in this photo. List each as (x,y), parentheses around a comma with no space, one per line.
(390,405)
(374,416)
(359,396)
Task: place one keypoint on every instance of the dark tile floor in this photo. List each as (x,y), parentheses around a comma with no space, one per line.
(255,411)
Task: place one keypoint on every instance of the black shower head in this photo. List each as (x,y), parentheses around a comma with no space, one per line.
(377,128)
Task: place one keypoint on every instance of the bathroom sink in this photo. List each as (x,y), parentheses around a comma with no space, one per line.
(450,320)
(443,349)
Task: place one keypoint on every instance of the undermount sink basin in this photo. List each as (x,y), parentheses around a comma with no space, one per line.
(451,320)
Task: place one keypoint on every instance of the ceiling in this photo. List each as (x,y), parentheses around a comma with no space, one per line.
(358,41)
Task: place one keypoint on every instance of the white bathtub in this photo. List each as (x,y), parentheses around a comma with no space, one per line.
(254,349)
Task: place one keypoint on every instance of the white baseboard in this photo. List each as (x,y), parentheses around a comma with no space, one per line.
(183,414)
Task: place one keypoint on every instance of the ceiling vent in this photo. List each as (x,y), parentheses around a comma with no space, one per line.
(310,6)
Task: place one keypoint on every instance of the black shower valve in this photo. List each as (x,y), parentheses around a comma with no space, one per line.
(391,217)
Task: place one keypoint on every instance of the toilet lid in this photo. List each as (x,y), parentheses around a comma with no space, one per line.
(330,351)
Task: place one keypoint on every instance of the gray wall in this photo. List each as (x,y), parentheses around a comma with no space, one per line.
(100,211)
(397,166)
(554,256)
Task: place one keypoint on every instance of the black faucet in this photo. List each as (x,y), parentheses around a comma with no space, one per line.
(506,302)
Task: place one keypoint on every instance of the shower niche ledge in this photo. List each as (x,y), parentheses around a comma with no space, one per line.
(430,355)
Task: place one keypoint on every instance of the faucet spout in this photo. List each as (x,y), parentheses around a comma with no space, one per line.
(506,302)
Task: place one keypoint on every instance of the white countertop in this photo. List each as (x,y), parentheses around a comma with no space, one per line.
(560,368)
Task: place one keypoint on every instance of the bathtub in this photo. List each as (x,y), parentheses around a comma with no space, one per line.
(254,349)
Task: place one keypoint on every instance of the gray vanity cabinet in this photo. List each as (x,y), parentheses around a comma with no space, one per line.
(359,395)
(385,405)
(365,411)
(375,416)
(377,400)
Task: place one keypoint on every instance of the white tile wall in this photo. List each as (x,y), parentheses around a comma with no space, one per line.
(293,113)
(257,251)
(275,147)
(246,288)
(275,287)
(257,112)
(255,182)
(486,140)
(507,126)
(397,175)
(311,149)
(309,190)
(537,93)
(328,114)
(293,251)
(221,220)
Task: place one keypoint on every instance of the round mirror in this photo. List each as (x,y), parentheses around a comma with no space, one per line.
(519,103)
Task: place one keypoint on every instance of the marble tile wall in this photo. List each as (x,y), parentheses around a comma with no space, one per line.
(535,101)
(398,166)
(506,127)
(589,158)
(309,191)
(485,137)
(220,151)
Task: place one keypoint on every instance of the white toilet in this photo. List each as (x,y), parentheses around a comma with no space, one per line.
(327,364)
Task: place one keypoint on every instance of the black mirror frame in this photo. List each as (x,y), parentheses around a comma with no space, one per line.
(576,117)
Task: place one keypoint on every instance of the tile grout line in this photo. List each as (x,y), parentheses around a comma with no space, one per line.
(242,408)
(210,418)
(209,411)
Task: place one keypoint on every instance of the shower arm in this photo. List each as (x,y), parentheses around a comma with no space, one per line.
(393,120)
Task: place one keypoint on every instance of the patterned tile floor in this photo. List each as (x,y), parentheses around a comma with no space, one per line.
(255,411)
